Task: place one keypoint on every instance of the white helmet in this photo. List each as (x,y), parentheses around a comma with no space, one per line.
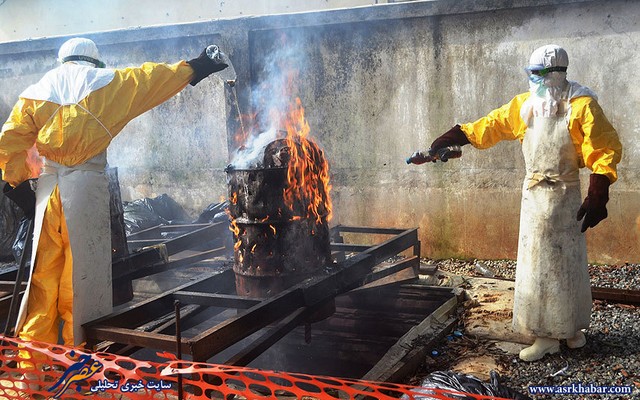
(549,56)
(549,64)
(82,51)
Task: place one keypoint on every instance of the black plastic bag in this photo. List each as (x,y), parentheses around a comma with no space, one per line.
(149,212)
(448,380)
(137,216)
(167,209)
(215,212)
(10,216)
(21,239)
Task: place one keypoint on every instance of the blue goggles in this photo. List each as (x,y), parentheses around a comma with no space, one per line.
(541,71)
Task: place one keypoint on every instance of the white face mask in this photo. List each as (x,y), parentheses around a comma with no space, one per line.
(552,83)
(536,80)
(538,87)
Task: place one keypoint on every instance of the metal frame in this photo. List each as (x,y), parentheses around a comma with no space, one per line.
(153,248)
(286,310)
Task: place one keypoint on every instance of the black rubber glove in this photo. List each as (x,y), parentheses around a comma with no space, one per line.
(453,137)
(22,196)
(203,66)
(594,209)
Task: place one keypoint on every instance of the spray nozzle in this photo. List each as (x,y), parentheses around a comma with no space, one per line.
(228,74)
(213,52)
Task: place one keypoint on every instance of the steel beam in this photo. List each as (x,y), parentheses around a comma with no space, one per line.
(289,307)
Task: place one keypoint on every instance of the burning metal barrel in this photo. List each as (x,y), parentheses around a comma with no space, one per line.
(279,214)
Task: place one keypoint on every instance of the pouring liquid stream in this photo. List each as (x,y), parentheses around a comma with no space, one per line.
(235,100)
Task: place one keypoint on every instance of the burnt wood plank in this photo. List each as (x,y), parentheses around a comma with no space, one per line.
(233,330)
(346,276)
(7,286)
(146,270)
(394,245)
(624,296)
(150,309)
(353,248)
(199,236)
(310,292)
(410,262)
(9,273)
(406,355)
(124,267)
(137,338)
(156,326)
(369,230)
(367,323)
(215,299)
(265,341)
(273,335)
(355,269)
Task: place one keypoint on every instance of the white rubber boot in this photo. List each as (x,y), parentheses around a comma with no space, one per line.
(539,348)
(577,341)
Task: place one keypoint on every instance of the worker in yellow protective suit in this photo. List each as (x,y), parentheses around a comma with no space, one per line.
(562,129)
(72,114)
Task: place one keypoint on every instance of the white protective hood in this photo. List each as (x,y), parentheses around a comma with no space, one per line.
(69,84)
(554,88)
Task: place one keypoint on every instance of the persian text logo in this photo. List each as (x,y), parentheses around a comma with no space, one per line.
(79,371)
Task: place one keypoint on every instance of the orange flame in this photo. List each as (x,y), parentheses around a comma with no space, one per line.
(308,170)
(233,227)
(34,161)
(308,189)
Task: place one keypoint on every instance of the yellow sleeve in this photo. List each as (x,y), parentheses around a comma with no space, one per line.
(599,146)
(156,83)
(18,135)
(71,134)
(136,90)
(503,123)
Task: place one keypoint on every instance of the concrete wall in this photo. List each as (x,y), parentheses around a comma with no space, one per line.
(20,20)
(378,83)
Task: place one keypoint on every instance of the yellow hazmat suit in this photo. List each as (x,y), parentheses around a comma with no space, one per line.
(561,128)
(588,126)
(72,115)
(552,298)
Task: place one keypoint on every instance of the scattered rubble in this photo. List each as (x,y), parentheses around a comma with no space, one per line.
(610,357)
(622,276)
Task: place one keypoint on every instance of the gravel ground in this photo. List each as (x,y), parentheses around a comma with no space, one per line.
(624,276)
(611,356)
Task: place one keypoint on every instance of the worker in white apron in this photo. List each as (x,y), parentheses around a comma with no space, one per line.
(562,129)
(72,114)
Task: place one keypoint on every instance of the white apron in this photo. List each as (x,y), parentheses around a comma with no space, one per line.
(84,192)
(552,296)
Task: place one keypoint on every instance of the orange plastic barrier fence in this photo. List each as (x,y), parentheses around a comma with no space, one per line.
(35,370)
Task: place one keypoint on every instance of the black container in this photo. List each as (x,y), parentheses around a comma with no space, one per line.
(277,245)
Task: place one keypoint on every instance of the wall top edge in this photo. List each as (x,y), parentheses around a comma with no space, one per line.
(412,9)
